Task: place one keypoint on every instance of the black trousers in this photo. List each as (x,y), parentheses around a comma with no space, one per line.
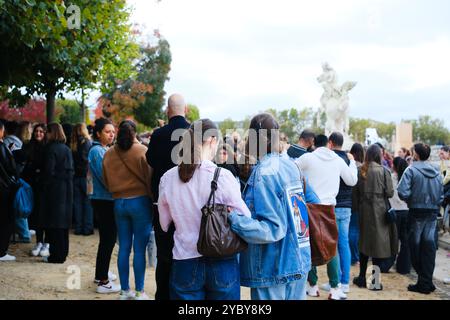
(104,213)
(164,247)
(59,244)
(404,256)
(422,242)
(33,219)
(6,221)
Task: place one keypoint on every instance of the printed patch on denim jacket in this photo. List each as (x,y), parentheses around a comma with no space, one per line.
(299,212)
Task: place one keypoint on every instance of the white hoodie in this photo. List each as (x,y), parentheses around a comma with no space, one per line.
(324,168)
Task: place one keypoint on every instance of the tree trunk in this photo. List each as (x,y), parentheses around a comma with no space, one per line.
(83,107)
(51,94)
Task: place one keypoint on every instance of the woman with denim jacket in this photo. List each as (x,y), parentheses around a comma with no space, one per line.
(183,191)
(276,264)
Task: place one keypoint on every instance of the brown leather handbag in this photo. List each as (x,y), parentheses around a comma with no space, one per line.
(216,239)
(323,233)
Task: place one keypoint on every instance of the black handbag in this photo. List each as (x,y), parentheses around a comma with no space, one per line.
(391,214)
(216,239)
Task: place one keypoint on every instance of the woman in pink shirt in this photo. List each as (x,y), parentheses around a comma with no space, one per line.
(183,191)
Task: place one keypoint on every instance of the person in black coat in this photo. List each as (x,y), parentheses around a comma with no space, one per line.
(8,188)
(33,152)
(82,209)
(57,199)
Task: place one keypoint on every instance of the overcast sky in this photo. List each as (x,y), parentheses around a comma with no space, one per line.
(236,57)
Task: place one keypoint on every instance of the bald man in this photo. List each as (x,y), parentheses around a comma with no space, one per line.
(159,158)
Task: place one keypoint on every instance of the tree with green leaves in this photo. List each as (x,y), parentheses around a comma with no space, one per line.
(358,129)
(142,96)
(47,49)
(226,125)
(294,121)
(430,131)
(68,111)
(193,113)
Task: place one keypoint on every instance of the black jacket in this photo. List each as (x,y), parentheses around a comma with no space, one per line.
(160,150)
(34,162)
(344,197)
(80,158)
(295,151)
(8,169)
(8,183)
(57,184)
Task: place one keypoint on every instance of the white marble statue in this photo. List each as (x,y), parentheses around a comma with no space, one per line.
(335,101)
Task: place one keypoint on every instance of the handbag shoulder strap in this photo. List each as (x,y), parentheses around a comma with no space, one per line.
(214,186)
(386,199)
(129,169)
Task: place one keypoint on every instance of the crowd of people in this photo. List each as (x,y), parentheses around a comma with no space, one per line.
(106,177)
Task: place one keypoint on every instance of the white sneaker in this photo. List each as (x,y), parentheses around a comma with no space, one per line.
(7,257)
(36,249)
(312,291)
(326,287)
(45,251)
(111,277)
(345,288)
(141,296)
(32,233)
(109,287)
(126,295)
(337,294)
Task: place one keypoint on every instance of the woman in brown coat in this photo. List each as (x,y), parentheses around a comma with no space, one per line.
(378,238)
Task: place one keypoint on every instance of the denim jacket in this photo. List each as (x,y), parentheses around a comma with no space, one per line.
(274,255)
(95,158)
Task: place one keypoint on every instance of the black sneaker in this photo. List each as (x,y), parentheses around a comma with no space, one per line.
(360,282)
(418,289)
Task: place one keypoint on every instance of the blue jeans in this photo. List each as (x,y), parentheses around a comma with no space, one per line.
(295,290)
(134,224)
(22,229)
(353,237)
(205,279)
(343,216)
(82,209)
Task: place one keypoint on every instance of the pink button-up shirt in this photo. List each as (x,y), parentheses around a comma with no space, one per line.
(181,203)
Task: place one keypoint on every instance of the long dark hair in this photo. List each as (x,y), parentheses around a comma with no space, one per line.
(265,143)
(126,135)
(373,154)
(400,165)
(357,151)
(193,142)
(100,124)
(33,141)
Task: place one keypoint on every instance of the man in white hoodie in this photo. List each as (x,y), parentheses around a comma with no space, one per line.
(324,169)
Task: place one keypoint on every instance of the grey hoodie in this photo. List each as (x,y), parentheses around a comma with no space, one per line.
(421,186)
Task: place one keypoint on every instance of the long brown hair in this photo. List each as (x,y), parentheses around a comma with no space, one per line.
(55,133)
(193,142)
(373,154)
(80,134)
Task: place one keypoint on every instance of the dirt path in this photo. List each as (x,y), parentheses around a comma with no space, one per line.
(31,279)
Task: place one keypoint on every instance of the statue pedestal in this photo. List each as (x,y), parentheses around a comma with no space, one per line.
(348,143)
